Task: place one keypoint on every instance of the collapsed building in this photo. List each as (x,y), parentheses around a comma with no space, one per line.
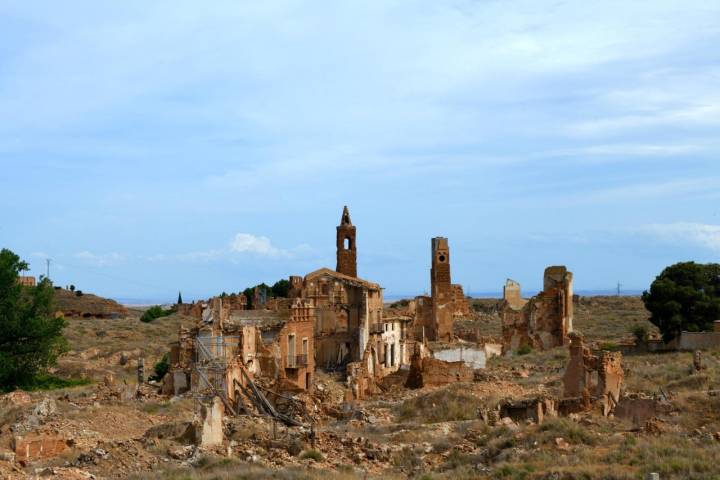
(578,380)
(434,314)
(227,351)
(331,317)
(543,321)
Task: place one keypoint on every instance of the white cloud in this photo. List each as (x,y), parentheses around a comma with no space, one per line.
(699,234)
(248,243)
(100,259)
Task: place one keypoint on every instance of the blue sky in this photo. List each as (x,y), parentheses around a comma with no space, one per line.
(151,147)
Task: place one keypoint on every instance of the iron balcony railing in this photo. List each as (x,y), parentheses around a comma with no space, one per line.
(377,328)
(297,361)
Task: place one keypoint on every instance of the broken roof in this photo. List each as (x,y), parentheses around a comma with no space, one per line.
(354,281)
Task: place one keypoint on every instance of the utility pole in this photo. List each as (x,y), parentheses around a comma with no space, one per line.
(47,275)
(618,289)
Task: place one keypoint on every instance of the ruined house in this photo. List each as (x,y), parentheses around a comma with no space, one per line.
(227,350)
(594,378)
(434,314)
(543,321)
(27,281)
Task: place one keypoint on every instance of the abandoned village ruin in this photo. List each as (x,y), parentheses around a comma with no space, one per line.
(257,360)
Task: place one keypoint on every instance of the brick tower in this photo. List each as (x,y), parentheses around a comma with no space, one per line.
(346,248)
(441,290)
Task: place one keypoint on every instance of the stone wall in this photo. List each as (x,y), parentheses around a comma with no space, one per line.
(545,320)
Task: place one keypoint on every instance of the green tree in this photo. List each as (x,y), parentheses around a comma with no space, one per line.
(685,296)
(30,337)
(281,288)
(248,292)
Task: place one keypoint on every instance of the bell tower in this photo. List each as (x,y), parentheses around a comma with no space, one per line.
(346,248)
(441,288)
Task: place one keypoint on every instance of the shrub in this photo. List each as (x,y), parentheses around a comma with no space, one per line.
(640,332)
(449,404)
(524,350)
(161,368)
(155,312)
(312,454)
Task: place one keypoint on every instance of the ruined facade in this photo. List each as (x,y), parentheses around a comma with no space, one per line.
(543,321)
(427,371)
(583,365)
(229,349)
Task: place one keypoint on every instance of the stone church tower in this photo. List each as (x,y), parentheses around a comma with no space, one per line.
(346,247)
(441,290)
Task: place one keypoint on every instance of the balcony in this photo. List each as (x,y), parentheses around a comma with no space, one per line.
(377,328)
(298,361)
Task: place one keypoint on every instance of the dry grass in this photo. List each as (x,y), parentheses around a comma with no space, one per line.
(610,319)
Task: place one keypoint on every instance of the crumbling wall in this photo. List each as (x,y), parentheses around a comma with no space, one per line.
(36,446)
(428,371)
(545,320)
(533,409)
(26,281)
(577,379)
(512,294)
(461,306)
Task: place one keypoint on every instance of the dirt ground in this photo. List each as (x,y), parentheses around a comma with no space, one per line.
(433,433)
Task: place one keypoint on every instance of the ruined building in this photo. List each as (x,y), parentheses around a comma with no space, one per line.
(349,322)
(227,351)
(332,318)
(26,281)
(583,365)
(543,321)
(433,315)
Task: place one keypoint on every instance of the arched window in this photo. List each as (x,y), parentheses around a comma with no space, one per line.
(347,243)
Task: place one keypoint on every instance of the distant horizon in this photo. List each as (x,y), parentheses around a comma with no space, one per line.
(136,302)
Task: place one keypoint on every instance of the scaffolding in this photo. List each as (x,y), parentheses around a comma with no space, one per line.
(210,364)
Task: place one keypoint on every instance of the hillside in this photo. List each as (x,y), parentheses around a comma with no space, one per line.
(87,305)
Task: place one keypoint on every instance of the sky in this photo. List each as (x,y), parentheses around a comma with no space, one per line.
(148,148)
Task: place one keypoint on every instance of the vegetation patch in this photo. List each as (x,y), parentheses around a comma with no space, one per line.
(449,404)
(155,312)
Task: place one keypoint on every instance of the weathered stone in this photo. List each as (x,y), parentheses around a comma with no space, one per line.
(545,320)
(31,447)
(211,433)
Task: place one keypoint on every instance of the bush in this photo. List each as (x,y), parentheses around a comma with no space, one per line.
(155,312)
(161,368)
(30,336)
(49,382)
(312,454)
(640,332)
(524,350)
(685,296)
(449,404)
